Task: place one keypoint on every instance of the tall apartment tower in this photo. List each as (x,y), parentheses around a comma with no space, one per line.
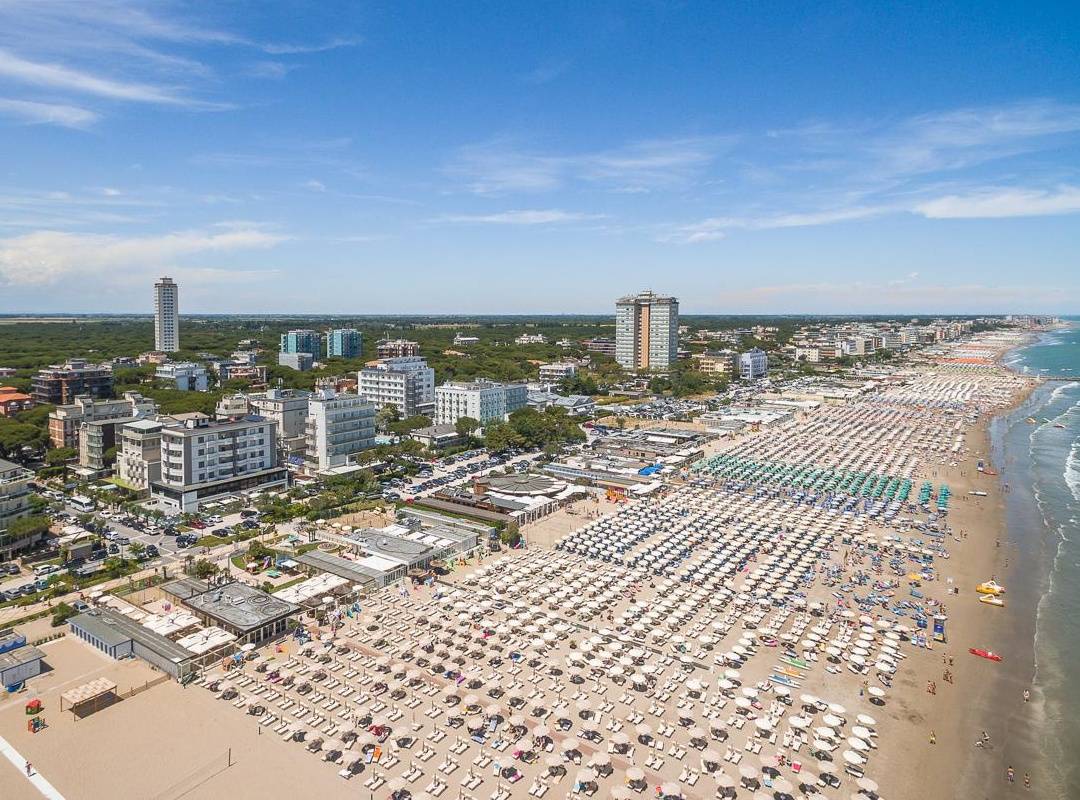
(166,316)
(646,331)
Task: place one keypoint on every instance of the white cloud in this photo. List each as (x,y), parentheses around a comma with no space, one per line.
(315,186)
(715,228)
(56,76)
(1003,202)
(319,47)
(498,167)
(522,217)
(46,256)
(48,113)
(273,70)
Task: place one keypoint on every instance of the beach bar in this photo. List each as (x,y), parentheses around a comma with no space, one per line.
(90,696)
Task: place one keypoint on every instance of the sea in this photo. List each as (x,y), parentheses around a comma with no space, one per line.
(1037,448)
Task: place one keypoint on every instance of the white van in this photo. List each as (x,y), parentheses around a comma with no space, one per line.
(46,569)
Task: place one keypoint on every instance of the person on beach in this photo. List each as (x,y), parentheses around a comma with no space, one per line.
(1027,695)
(1027,781)
(933,738)
(1010,774)
(29,769)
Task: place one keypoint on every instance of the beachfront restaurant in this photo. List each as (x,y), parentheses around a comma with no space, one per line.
(249,614)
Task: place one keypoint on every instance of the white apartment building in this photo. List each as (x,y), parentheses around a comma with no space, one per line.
(557,371)
(138,452)
(288,409)
(646,331)
(185,376)
(531,338)
(407,383)
(166,316)
(202,459)
(338,427)
(483,401)
(753,364)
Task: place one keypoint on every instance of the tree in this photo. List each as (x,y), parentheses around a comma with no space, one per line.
(109,457)
(137,549)
(28,526)
(205,569)
(499,436)
(61,614)
(60,455)
(466,426)
(386,416)
(15,435)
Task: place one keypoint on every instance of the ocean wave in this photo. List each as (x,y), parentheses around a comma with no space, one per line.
(1061,390)
(1072,470)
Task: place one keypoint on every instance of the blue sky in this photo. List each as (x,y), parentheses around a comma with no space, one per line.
(540,157)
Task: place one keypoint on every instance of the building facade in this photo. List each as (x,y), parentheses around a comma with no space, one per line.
(166,316)
(396,348)
(14,504)
(184,376)
(338,427)
(60,384)
(301,340)
(646,331)
(202,459)
(753,364)
(406,382)
(12,401)
(483,401)
(65,422)
(288,409)
(301,362)
(554,373)
(343,343)
(138,452)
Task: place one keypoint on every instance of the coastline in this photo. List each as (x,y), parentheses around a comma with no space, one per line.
(960,710)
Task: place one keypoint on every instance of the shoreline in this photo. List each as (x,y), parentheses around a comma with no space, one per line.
(983,695)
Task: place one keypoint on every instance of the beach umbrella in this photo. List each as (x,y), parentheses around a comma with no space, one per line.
(867,785)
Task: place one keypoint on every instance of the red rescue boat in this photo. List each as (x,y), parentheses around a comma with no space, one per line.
(988,654)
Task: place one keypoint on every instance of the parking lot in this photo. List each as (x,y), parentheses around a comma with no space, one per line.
(461,470)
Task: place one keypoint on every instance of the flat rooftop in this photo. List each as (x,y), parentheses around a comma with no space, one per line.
(342,567)
(240,606)
(114,628)
(19,656)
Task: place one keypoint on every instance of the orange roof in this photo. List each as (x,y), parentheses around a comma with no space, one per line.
(11,393)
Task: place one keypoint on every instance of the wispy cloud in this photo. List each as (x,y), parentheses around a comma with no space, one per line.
(56,76)
(46,256)
(500,167)
(715,228)
(270,70)
(318,47)
(522,217)
(1004,202)
(48,113)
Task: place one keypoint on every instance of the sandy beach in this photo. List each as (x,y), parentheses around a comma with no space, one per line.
(738,632)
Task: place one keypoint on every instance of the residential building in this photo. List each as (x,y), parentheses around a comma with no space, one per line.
(7,372)
(343,343)
(65,421)
(553,373)
(184,376)
(601,344)
(14,504)
(646,331)
(301,340)
(138,452)
(232,406)
(717,363)
(244,357)
(166,316)
(436,437)
(459,339)
(753,364)
(338,427)
(531,338)
(254,374)
(152,357)
(288,408)
(481,400)
(60,384)
(301,362)
(12,401)
(407,383)
(574,404)
(203,459)
(396,348)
